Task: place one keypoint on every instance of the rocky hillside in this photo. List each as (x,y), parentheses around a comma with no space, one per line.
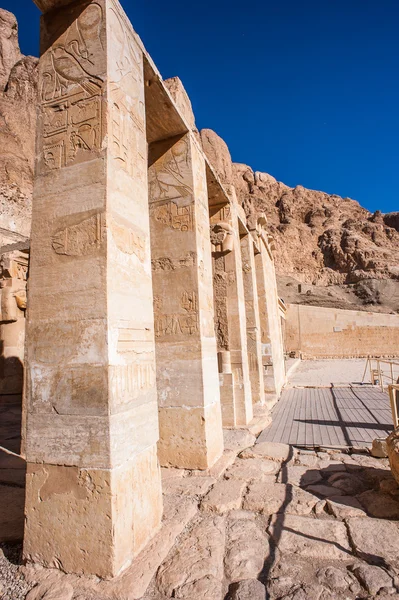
(18,89)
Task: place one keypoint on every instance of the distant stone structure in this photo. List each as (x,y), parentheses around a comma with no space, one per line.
(153,319)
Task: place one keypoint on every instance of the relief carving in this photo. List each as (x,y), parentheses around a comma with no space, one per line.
(180,218)
(171,264)
(13,275)
(82,238)
(71,89)
(127,381)
(169,175)
(178,324)
(222,237)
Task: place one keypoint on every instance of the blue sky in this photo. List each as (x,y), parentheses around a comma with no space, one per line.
(307,91)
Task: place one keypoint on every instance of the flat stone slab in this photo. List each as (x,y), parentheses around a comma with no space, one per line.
(220,466)
(310,538)
(300,476)
(380,505)
(259,423)
(320,489)
(197,557)
(377,540)
(187,486)
(225,495)
(237,439)
(247,548)
(276,498)
(253,469)
(248,589)
(271,450)
(342,507)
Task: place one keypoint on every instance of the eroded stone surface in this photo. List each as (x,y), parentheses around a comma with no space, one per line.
(381,546)
(188,486)
(343,507)
(372,578)
(252,469)
(224,496)
(277,498)
(198,555)
(51,591)
(248,589)
(247,547)
(270,450)
(238,439)
(300,476)
(310,537)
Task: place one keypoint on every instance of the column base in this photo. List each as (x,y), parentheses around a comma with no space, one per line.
(91,521)
(190,437)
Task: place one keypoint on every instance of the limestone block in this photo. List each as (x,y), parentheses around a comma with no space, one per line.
(181,99)
(258,424)
(238,439)
(278,498)
(226,495)
(343,507)
(382,545)
(309,537)
(321,490)
(189,438)
(188,486)
(379,448)
(300,476)
(199,555)
(272,450)
(252,469)
(372,578)
(247,548)
(248,589)
(380,505)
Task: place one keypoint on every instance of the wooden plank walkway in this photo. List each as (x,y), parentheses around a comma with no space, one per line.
(336,416)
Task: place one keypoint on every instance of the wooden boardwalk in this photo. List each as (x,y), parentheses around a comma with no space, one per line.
(336,416)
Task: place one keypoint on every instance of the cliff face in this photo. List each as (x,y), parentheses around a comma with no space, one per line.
(18,89)
(321,239)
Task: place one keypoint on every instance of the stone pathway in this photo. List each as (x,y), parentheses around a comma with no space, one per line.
(268,521)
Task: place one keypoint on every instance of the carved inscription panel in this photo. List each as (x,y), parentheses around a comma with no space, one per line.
(170,176)
(177,324)
(71,86)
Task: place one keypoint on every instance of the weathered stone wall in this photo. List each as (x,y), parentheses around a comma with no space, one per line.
(327,332)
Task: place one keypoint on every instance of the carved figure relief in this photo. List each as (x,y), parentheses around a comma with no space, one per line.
(82,238)
(222,237)
(170,175)
(71,89)
(13,274)
(178,324)
(180,218)
(165,263)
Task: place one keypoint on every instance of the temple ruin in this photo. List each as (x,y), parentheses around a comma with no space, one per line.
(153,319)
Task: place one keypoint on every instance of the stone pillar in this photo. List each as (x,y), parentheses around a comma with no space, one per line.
(93,495)
(230,322)
(13,273)
(254,343)
(271,338)
(187,375)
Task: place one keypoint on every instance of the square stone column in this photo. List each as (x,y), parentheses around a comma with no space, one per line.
(93,491)
(271,336)
(187,375)
(254,343)
(230,323)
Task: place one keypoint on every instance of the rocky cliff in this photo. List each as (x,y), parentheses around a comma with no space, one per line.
(18,89)
(329,250)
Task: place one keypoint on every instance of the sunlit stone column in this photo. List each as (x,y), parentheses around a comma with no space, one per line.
(93,496)
(254,344)
(230,322)
(187,374)
(271,336)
